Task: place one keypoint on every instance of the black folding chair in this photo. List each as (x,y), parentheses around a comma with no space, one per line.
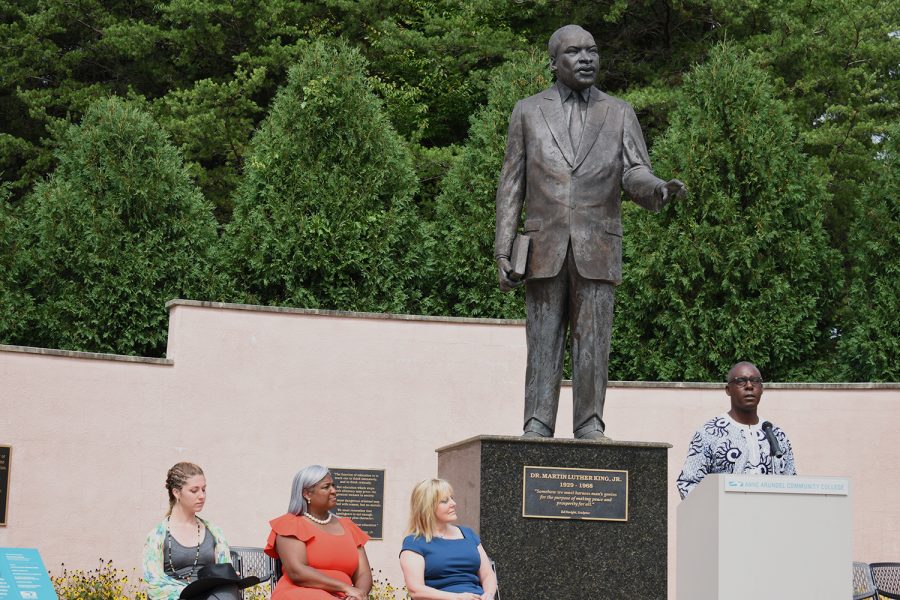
(250,561)
(886,576)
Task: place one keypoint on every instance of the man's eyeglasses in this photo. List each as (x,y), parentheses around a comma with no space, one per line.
(746,380)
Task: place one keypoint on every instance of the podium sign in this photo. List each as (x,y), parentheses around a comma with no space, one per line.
(762,484)
(745,537)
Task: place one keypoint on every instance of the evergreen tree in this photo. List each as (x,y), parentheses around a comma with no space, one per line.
(323,217)
(869,345)
(116,231)
(16,304)
(461,255)
(741,269)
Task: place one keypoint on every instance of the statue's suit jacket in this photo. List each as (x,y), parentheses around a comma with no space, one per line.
(568,196)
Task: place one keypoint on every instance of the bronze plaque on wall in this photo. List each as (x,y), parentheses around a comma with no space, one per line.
(360,496)
(5,458)
(567,493)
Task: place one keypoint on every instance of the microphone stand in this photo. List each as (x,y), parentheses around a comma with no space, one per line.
(775,452)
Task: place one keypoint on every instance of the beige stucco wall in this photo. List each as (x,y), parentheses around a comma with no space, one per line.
(252,394)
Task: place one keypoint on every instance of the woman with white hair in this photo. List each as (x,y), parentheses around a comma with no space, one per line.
(441,560)
(322,555)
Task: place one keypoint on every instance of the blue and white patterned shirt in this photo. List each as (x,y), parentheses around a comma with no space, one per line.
(722,445)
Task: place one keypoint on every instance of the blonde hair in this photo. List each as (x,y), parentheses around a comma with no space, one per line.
(422,503)
(177,477)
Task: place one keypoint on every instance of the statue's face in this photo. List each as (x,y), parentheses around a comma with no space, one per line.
(577,61)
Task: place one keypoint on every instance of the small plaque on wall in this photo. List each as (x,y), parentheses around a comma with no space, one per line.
(360,496)
(5,459)
(567,493)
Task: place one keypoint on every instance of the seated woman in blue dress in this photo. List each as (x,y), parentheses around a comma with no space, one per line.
(441,560)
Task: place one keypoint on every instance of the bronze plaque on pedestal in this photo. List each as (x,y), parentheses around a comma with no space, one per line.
(567,493)
(360,496)
(5,456)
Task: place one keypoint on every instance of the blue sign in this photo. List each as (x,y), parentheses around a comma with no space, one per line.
(23,576)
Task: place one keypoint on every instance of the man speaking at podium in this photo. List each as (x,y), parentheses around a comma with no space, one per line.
(736,442)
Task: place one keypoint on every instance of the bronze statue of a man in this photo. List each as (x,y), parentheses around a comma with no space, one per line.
(570,151)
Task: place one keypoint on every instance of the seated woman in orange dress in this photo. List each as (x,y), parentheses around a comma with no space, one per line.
(322,555)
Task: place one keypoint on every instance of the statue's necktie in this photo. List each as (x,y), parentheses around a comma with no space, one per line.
(575,123)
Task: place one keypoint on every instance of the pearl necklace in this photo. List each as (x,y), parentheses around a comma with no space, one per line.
(324,521)
(190,573)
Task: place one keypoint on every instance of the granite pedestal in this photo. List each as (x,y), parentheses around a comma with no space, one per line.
(563,558)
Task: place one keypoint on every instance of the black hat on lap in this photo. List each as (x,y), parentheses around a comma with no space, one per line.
(212,576)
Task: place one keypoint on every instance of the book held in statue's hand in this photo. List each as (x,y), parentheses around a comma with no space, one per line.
(519,258)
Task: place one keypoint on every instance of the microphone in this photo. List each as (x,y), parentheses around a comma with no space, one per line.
(774,447)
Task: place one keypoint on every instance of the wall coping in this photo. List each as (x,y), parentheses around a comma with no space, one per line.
(147,360)
(699,385)
(341,313)
(773,385)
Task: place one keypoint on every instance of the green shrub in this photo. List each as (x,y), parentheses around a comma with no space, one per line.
(869,343)
(323,218)
(114,232)
(741,269)
(17,305)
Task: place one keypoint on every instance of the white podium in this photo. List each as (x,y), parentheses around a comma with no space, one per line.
(777,537)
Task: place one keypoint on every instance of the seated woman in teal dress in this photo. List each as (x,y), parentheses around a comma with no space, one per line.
(441,560)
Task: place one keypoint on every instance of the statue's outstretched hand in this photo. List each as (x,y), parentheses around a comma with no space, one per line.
(673,190)
(507,284)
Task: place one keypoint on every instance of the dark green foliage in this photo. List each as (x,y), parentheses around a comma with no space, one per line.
(323,217)
(212,123)
(869,345)
(16,304)
(462,252)
(225,61)
(209,68)
(741,270)
(116,231)
(57,58)
(208,71)
(836,65)
(443,50)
